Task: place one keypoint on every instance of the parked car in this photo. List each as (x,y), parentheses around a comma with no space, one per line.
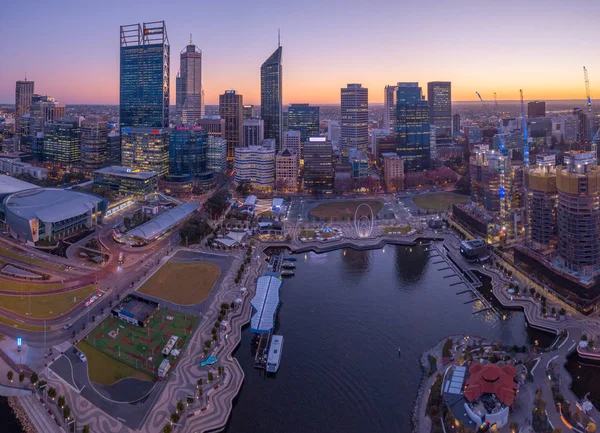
(82,357)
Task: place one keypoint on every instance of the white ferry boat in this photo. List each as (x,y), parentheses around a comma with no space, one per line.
(274,357)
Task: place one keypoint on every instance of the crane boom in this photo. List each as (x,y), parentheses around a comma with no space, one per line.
(587,90)
(525,136)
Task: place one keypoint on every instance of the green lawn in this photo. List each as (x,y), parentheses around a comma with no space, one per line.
(403,230)
(135,346)
(338,210)
(18,286)
(439,201)
(45,306)
(308,234)
(182,283)
(18,325)
(106,370)
(25,258)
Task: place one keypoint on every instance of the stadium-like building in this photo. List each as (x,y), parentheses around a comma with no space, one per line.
(50,214)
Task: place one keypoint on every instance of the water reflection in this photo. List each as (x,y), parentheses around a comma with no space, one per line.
(356,263)
(586,378)
(411,263)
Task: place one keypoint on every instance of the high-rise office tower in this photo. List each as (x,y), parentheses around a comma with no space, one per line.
(214,126)
(255,164)
(318,165)
(248,111)
(456,124)
(23,97)
(144,87)
(43,109)
(189,92)
(230,110)
(188,151)
(271,97)
(536,109)
(62,141)
(146,148)
(389,108)
(286,172)
(354,118)
(217,154)
(114,147)
(412,127)
(439,94)
(94,142)
(303,118)
(334,131)
(292,142)
(253,131)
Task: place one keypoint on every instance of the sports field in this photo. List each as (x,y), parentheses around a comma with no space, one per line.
(45,306)
(182,283)
(439,201)
(339,210)
(140,347)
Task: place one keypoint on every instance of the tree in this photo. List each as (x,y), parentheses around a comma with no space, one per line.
(532,291)
(244,188)
(66,411)
(199,382)
(10,375)
(52,393)
(591,344)
(513,427)
(33,378)
(85,429)
(168,428)
(180,405)
(553,311)
(210,376)
(175,417)
(21,377)
(591,427)
(584,337)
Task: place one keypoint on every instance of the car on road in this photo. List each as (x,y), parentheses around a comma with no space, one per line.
(82,357)
(67,326)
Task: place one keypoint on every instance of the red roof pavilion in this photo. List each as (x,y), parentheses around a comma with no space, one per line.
(491,379)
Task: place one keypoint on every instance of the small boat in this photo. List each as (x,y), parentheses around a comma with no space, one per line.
(287,273)
(274,357)
(290,259)
(288,265)
(399,352)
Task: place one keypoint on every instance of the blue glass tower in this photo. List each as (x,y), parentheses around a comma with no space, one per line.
(188,152)
(271,105)
(303,118)
(412,127)
(144,88)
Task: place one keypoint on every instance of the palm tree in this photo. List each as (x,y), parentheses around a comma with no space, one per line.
(33,378)
(66,411)
(180,405)
(175,417)
(52,393)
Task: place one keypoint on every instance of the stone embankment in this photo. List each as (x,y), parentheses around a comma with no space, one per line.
(21,415)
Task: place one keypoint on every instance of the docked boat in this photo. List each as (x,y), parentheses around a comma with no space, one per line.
(274,357)
(287,265)
(287,273)
(290,259)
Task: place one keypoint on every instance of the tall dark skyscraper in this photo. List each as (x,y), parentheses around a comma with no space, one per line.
(389,108)
(230,110)
(412,127)
(439,95)
(188,149)
(354,118)
(23,96)
(144,89)
(536,109)
(94,141)
(303,118)
(271,97)
(189,85)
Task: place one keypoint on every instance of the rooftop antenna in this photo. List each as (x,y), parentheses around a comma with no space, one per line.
(278,37)
(190,39)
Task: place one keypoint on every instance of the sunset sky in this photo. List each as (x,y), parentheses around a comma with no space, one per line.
(71,48)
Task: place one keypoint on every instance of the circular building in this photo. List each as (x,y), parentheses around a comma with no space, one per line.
(51,213)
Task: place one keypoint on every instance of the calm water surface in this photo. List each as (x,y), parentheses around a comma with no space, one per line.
(8,421)
(343,317)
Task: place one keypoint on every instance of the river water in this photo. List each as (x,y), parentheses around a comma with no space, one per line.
(8,421)
(344,317)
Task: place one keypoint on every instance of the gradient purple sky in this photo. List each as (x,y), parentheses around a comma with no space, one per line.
(71,48)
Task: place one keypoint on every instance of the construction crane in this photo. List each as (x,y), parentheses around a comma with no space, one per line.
(525,136)
(482,103)
(587,90)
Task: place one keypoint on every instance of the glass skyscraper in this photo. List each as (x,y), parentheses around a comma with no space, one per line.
(412,127)
(144,88)
(439,95)
(188,149)
(354,118)
(62,142)
(271,105)
(189,88)
(303,118)
(146,148)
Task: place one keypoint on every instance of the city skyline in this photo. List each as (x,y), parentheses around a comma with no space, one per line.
(321,56)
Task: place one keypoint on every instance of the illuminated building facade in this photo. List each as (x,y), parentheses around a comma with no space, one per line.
(188,152)
(412,127)
(439,95)
(393,171)
(23,98)
(286,172)
(271,97)
(318,166)
(540,184)
(354,124)
(255,164)
(127,180)
(94,141)
(217,154)
(146,148)
(253,131)
(189,89)
(303,118)
(62,141)
(230,110)
(389,109)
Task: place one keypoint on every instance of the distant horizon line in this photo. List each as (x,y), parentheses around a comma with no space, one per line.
(337,104)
